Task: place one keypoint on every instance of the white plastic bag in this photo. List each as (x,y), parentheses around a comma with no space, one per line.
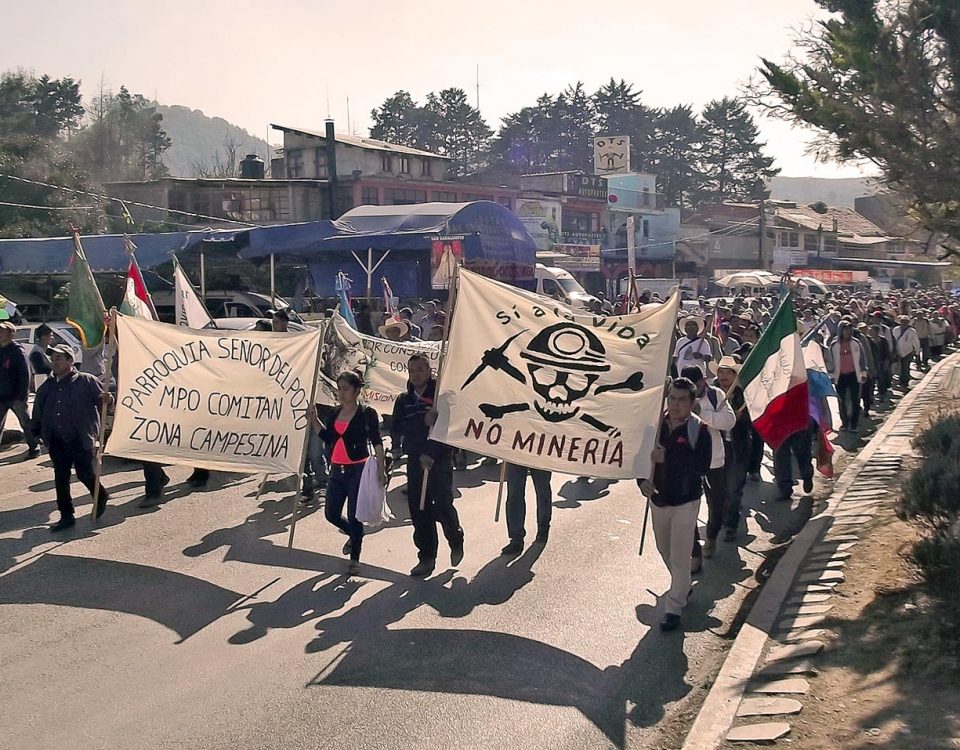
(372,507)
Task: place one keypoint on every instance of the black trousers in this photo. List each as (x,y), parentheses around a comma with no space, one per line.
(799,446)
(848,389)
(20,409)
(68,455)
(437,509)
(755,457)
(343,487)
(153,478)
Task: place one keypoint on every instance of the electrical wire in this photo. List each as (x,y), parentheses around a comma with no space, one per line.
(50,208)
(123,201)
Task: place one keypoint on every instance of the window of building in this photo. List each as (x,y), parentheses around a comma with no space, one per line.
(320,163)
(646,197)
(789,239)
(646,229)
(250,204)
(444,196)
(295,163)
(404,165)
(386,163)
(467,197)
(810,243)
(403,197)
(369,196)
(426,167)
(830,244)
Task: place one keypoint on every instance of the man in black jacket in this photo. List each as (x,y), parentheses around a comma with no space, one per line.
(680,461)
(412,417)
(14,384)
(66,415)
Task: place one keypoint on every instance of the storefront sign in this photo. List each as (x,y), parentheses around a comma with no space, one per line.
(541,218)
(587,186)
(611,154)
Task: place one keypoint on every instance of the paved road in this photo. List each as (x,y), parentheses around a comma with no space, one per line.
(192,625)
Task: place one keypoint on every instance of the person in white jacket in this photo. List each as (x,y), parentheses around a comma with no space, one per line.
(906,345)
(715,412)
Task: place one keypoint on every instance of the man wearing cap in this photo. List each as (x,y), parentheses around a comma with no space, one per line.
(66,416)
(906,345)
(715,412)
(14,385)
(736,449)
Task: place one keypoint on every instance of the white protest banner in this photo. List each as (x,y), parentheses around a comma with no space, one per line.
(539,384)
(382,363)
(213,399)
(190,310)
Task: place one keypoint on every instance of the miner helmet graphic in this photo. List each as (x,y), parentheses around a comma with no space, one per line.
(564,361)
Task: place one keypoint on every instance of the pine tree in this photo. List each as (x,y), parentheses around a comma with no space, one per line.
(732,164)
(676,147)
(619,111)
(397,120)
(451,126)
(573,112)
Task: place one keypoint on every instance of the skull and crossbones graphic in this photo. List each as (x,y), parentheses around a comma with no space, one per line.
(564,362)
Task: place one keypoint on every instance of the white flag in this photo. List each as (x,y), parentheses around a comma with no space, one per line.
(381,363)
(540,384)
(191,311)
(213,399)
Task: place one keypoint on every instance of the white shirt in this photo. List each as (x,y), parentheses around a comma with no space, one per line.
(685,350)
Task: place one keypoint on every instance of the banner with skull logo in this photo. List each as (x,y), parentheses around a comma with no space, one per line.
(537,383)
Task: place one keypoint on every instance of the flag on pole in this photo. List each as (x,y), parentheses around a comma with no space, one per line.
(136,298)
(85,310)
(388,306)
(190,310)
(343,291)
(774,380)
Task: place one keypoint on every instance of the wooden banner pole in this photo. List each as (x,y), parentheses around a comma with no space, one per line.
(454,283)
(98,467)
(306,443)
(503,476)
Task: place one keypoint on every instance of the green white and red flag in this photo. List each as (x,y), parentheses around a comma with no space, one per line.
(774,380)
(136,298)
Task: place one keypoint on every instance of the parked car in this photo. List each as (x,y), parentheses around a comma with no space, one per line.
(248,324)
(228,303)
(63,333)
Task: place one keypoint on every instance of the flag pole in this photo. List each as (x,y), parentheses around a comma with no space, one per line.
(663,401)
(306,447)
(454,284)
(111,351)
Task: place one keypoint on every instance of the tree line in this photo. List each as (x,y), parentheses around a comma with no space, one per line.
(699,158)
(47,135)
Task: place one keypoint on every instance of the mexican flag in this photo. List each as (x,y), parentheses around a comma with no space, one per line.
(136,298)
(774,380)
(85,310)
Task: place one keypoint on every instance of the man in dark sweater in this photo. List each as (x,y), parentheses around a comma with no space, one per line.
(413,415)
(14,384)
(680,461)
(66,415)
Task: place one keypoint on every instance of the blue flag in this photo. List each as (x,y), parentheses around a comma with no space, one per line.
(343,291)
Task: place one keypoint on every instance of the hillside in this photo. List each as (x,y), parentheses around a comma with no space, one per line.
(199,139)
(833,192)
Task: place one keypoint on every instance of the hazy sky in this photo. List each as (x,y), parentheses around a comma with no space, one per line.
(280,61)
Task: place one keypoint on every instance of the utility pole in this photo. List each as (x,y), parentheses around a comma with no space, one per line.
(478,87)
(763,233)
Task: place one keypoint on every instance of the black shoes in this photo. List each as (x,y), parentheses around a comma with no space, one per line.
(515,547)
(348,546)
(808,485)
(33,452)
(730,535)
(102,502)
(456,554)
(353,567)
(423,568)
(63,524)
(542,536)
(669,622)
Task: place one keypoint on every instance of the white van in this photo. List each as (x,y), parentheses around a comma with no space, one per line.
(559,284)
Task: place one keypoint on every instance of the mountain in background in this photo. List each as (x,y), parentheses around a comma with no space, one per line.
(832,191)
(199,140)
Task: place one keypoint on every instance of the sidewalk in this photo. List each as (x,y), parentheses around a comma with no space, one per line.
(763,680)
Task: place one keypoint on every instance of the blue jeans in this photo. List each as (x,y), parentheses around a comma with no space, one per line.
(343,487)
(516,500)
(316,470)
(798,445)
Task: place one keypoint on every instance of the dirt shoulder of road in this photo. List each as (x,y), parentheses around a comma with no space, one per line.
(886,679)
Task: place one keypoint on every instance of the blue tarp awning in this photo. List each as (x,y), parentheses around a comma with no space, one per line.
(301,239)
(106,253)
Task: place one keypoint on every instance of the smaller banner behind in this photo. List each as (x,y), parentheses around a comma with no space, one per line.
(539,384)
(381,363)
(213,399)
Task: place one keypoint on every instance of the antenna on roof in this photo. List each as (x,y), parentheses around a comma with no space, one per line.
(328,102)
(478,87)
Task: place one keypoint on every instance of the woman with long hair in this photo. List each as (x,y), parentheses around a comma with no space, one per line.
(348,431)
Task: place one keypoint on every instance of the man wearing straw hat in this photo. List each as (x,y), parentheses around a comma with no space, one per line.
(66,416)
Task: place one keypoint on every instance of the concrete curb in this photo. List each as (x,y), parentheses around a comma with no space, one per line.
(718,712)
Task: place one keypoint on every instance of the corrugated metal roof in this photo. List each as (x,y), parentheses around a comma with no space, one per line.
(358,142)
(848,220)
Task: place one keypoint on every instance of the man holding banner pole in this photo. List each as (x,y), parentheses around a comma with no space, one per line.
(427,461)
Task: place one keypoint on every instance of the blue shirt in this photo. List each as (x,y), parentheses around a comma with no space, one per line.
(68,409)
